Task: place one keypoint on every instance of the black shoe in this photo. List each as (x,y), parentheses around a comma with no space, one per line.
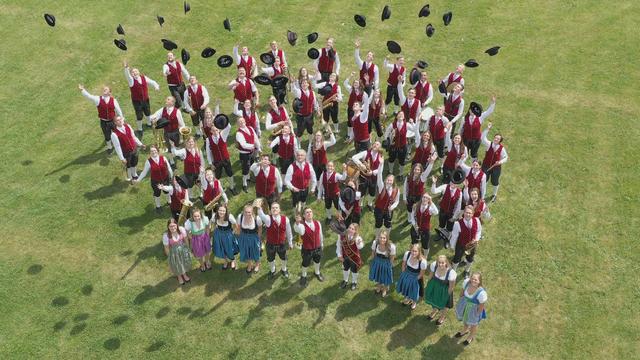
(110,151)
(467,342)
(233,191)
(354,286)
(138,134)
(327,221)
(272,274)
(159,210)
(303,281)
(173,166)
(198,136)
(459,334)
(369,207)
(343,285)
(319,277)
(285,273)
(225,266)
(466,274)
(244,188)
(494,198)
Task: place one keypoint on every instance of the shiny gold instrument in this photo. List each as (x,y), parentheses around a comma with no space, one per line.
(213,203)
(186,205)
(277,131)
(185,131)
(158,136)
(329,101)
(470,247)
(261,203)
(298,212)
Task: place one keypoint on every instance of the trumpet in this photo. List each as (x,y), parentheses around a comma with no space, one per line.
(186,205)
(213,203)
(185,131)
(470,247)
(279,128)
(329,101)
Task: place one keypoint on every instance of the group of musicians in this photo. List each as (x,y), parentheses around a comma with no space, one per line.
(420,137)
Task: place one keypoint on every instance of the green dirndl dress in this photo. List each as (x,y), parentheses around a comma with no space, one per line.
(437,293)
(179,255)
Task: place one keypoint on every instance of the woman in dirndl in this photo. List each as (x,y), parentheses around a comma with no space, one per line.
(414,266)
(248,240)
(176,247)
(471,309)
(439,290)
(383,252)
(225,242)
(198,230)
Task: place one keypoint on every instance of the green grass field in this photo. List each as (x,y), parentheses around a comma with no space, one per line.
(84,275)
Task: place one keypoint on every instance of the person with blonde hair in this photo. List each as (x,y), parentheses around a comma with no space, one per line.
(348,251)
(470,309)
(420,219)
(176,247)
(197,228)
(383,253)
(248,225)
(439,290)
(411,281)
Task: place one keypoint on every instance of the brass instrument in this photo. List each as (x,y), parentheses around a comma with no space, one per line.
(185,131)
(186,205)
(261,203)
(329,102)
(280,126)
(158,136)
(470,247)
(298,212)
(213,203)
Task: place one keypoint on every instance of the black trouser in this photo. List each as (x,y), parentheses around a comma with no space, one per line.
(324,76)
(382,217)
(172,136)
(284,164)
(349,117)
(330,200)
(353,218)
(412,199)
(421,236)
(331,112)
(192,178)
(300,196)
(473,145)
(198,117)
(177,91)
(399,153)
(368,185)
(222,165)
(452,132)
(304,123)
(280,93)
(273,249)
(493,174)
(106,127)
(367,88)
(443,221)
(313,254)
(375,122)
(439,144)
(246,160)
(348,264)
(131,157)
(447,174)
(271,198)
(154,186)
(392,94)
(421,287)
(319,170)
(362,145)
(459,253)
(141,108)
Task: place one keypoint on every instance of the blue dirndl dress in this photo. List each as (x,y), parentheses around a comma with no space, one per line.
(249,243)
(381,270)
(225,243)
(408,284)
(467,308)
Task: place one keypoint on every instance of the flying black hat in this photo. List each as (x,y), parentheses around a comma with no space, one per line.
(297,105)
(208,52)
(421,64)
(493,51)
(386,13)
(472,63)
(279,81)
(185,56)
(360,20)
(187,7)
(292,37)
(267,58)
(227,24)
(313,53)
(458,176)
(348,195)
(325,90)
(50,19)
(414,76)
(476,109)
(447,18)
(121,44)
(262,79)
(442,88)
(169,45)
(394,47)
(225,61)
(430,30)
(425,11)
(160,20)
(120,29)
(221,121)
(311,38)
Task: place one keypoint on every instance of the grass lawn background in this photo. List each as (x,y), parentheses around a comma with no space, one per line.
(84,275)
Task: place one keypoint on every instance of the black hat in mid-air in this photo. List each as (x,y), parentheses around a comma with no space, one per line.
(394,47)
(325,90)
(187,7)
(120,29)
(493,51)
(169,45)
(475,108)
(360,20)
(386,13)
(160,20)
(472,63)
(121,44)
(447,18)
(208,52)
(279,81)
(414,76)
(262,79)
(225,61)
(267,58)
(185,56)
(162,123)
(425,11)
(297,105)
(227,24)
(313,53)
(221,121)
(50,19)
(421,64)
(292,37)
(311,38)
(430,30)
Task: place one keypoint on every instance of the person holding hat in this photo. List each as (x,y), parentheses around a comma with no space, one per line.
(396,133)
(192,158)
(249,228)
(225,243)
(376,110)
(411,105)
(248,144)
(395,71)
(420,220)
(275,70)
(470,309)
(198,232)
(369,180)
(470,129)
(456,155)
(139,88)
(177,197)
(328,61)
(207,122)
(317,151)
(277,115)
(383,253)
(175,73)
(369,72)
(475,177)
(285,145)
(359,122)
(387,199)
(300,178)
(245,61)
(466,231)
(196,100)
(176,248)
(424,149)
(278,54)
(355,96)
(108,108)
(471,196)
(453,105)
(278,231)
(350,209)
(310,231)
(250,116)
(217,150)
(243,89)
(454,77)
(424,90)
(439,290)
(348,248)
(450,205)
(172,130)
(438,126)
(330,100)
(308,104)
(160,173)
(414,183)
(211,189)
(411,281)
(268,179)
(126,144)
(329,189)
(494,158)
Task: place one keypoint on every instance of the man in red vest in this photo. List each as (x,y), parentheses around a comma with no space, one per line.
(177,197)
(243,89)
(395,70)
(420,219)
(196,99)
(475,177)
(466,231)
(276,116)
(172,131)
(108,108)
(211,188)
(139,87)
(268,179)
(126,144)
(438,126)
(359,122)
(369,72)
(369,181)
(250,115)
(274,71)
(279,238)
(329,188)
(312,243)
(453,106)
(300,179)
(218,154)
(411,105)
(387,200)
(398,134)
(175,73)
(285,145)
(455,76)
(330,101)
(246,61)
(248,144)
(278,53)
(160,173)
(304,117)
(494,158)
(450,205)
(328,61)
(414,183)
(471,128)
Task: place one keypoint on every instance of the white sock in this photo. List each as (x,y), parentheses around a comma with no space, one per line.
(168,199)
(378,231)
(149,120)
(272,266)
(354,278)
(304,271)
(109,146)
(198,131)
(336,128)
(330,213)
(139,122)
(129,173)
(244,180)
(284,265)
(467,266)
(350,133)
(426,253)
(232,182)
(495,190)
(454,266)
(391,164)
(134,172)
(317,267)
(370,201)
(345,275)
(156,200)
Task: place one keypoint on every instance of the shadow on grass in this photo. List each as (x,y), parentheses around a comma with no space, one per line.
(64,179)
(112,344)
(92,157)
(119,320)
(156,291)
(364,301)
(87,290)
(276,298)
(322,300)
(77,329)
(414,332)
(393,314)
(81,317)
(163,312)
(60,301)
(34,269)
(146,253)
(117,186)
(137,223)
(155,346)
(446,348)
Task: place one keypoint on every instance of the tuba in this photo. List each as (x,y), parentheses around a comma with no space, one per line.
(159,139)
(186,205)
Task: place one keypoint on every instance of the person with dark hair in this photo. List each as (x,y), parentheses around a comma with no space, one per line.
(175,73)
(312,243)
(159,170)
(225,243)
(126,144)
(494,158)
(420,219)
(139,87)
(279,238)
(348,251)
(196,100)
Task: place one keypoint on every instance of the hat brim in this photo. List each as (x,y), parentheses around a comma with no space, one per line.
(262,80)
(493,51)
(185,56)
(169,45)
(267,58)
(225,61)
(121,44)
(227,24)
(311,38)
(475,108)
(414,76)
(471,63)
(393,47)
(386,13)
(120,29)
(208,52)
(50,19)
(160,20)
(183,181)
(279,81)
(360,20)
(162,123)
(221,121)
(313,53)
(447,17)
(430,30)
(425,11)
